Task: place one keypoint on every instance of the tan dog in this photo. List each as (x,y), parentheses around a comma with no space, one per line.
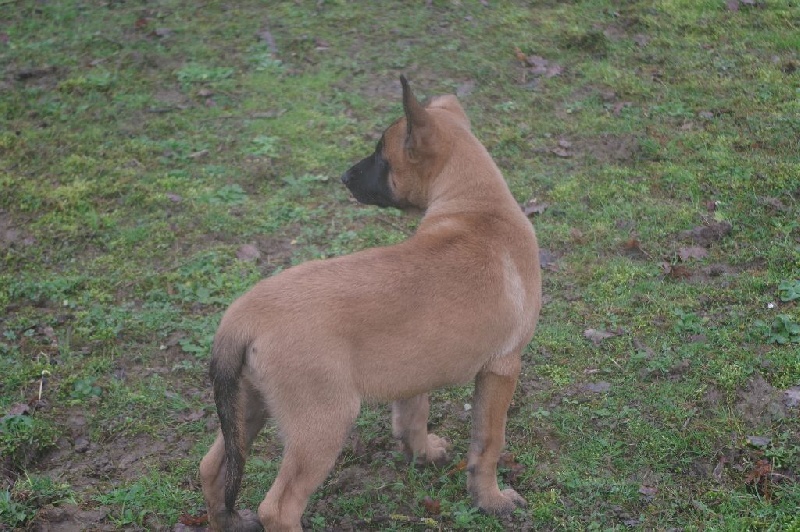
(456,301)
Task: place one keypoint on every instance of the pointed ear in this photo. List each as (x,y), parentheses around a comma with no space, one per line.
(417,120)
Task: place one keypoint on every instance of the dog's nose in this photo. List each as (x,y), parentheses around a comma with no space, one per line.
(346,177)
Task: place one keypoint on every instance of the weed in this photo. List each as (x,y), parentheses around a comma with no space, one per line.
(789,290)
(13,513)
(782,330)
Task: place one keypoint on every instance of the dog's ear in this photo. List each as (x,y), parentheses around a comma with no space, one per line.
(418,123)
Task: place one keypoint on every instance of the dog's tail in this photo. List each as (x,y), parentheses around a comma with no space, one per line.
(227,361)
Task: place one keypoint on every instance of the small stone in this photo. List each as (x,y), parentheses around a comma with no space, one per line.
(758,441)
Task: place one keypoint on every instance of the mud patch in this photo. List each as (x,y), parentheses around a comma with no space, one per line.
(68,518)
(608,148)
(759,403)
(11,233)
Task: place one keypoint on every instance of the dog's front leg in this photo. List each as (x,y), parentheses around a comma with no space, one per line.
(494,388)
(410,425)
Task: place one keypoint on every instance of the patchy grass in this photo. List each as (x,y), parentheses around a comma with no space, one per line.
(145,147)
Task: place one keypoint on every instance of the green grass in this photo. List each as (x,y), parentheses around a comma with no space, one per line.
(143,145)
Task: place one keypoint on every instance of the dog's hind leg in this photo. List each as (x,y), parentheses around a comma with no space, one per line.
(494,388)
(212,467)
(313,438)
(410,425)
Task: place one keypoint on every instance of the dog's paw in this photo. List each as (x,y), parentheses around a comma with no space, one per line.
(436,450)
(247,522)
(501,502)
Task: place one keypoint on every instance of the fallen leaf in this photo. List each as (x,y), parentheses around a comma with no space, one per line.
(760,474)
(142,23)
(596,336)
(694,252)
(648,491)
(162,32)
(432,506)
(641,39)
(633,249)
(676,271)
(719,469)
(194,520)
(174,198)
(561,152)
(461,466)
(521,57)
(515,469)
(248,252)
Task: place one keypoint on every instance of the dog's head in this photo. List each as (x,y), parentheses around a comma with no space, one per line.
(410,153)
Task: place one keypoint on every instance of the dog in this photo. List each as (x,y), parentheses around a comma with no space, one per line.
(458,300)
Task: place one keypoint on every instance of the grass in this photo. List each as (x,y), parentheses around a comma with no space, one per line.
(143,145)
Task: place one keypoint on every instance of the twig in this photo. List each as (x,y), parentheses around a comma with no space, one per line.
(267,37)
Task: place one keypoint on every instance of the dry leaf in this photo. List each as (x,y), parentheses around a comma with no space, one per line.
(432,506)
(141,23)
(596,336)
(521,57)
(192,520)
(675,271)
(461,466)
(633,249)
(515,469)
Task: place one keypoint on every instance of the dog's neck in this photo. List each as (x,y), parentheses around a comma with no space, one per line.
(468,161)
